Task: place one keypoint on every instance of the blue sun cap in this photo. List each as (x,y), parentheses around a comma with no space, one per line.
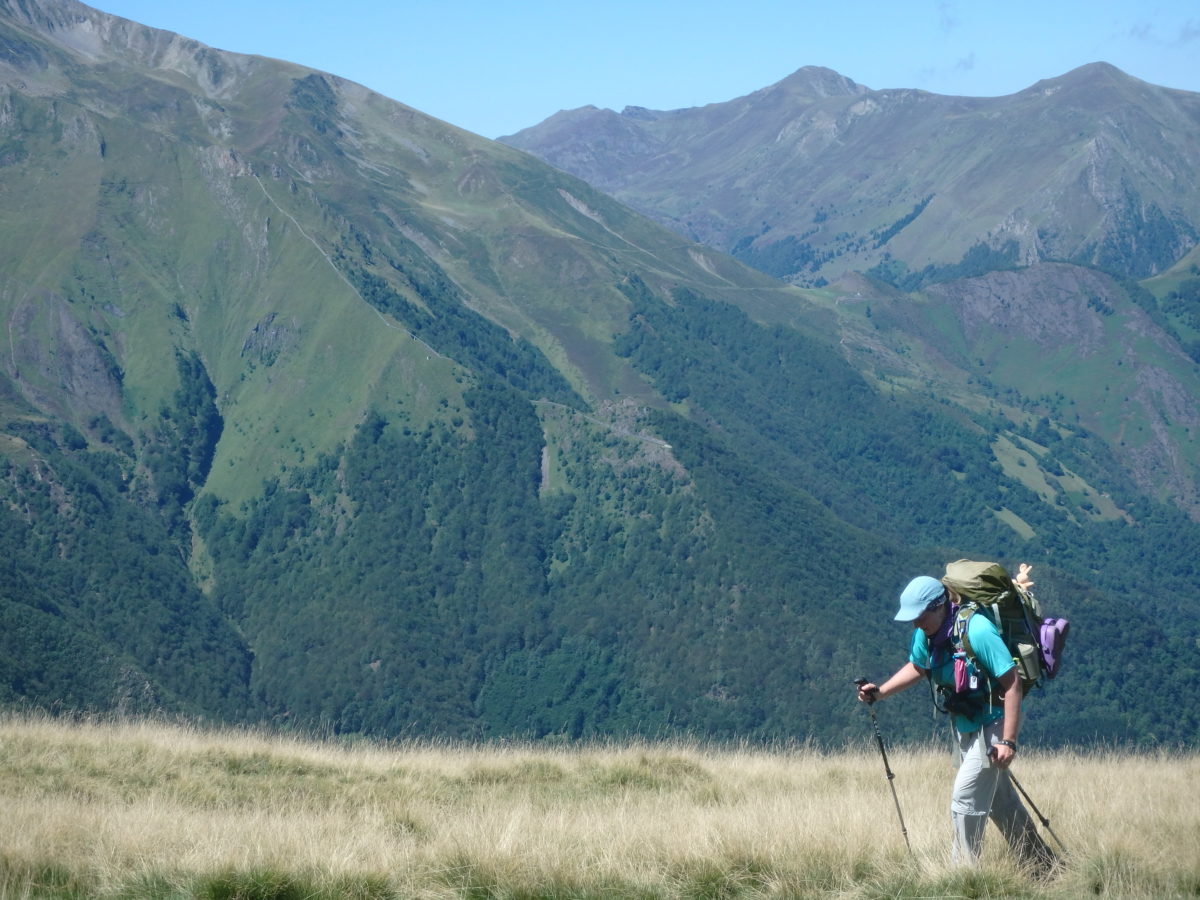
(922,593)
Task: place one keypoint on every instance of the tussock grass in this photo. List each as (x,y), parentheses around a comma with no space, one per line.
(139,809)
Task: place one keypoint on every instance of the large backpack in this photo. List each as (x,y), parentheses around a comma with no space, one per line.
(1035,642)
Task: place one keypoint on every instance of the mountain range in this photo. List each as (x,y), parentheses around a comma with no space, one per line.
(817,175)
(318,411)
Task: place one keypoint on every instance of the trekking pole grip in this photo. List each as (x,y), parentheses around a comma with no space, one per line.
(861,681)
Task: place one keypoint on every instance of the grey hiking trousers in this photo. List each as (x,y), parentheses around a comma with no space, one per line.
(981,790)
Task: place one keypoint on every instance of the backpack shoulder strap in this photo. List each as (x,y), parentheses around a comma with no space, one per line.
(962,640)
(959,632)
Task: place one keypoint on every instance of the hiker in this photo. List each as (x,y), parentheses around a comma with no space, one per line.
(986,711)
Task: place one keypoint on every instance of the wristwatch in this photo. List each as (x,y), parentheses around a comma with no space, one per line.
(1012,745)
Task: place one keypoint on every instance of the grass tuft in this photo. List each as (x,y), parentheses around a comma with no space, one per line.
(255,885)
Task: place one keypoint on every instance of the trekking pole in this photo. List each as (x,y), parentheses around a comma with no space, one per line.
(891,776)
(1037,812)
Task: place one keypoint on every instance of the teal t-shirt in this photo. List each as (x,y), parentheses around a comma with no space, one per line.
(991,654)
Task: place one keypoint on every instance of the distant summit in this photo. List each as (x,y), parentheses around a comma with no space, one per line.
(816,82)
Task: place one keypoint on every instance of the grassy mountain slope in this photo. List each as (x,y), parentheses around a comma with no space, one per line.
(416,434)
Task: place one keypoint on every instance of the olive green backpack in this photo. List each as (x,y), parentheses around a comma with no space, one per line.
(986,587)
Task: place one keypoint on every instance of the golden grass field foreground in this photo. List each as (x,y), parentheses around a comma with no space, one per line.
(142,809)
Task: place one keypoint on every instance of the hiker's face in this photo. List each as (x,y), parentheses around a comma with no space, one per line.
(931,620)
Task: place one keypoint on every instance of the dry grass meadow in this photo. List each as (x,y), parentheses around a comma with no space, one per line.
(143,809)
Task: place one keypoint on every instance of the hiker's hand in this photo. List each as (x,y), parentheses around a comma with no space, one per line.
(868,693)
(1023,580)
(1002,755)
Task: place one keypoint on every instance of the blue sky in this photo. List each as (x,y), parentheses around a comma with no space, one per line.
(494,67)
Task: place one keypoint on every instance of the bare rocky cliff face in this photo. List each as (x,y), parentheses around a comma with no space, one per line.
(1048,306)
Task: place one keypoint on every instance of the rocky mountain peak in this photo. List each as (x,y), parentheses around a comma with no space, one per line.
(94,36)
(817,82)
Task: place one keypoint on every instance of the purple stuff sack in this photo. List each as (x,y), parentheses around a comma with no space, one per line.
(1051,638)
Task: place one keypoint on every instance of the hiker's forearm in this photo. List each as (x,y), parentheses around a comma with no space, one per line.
(1012,711)
(906,677)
